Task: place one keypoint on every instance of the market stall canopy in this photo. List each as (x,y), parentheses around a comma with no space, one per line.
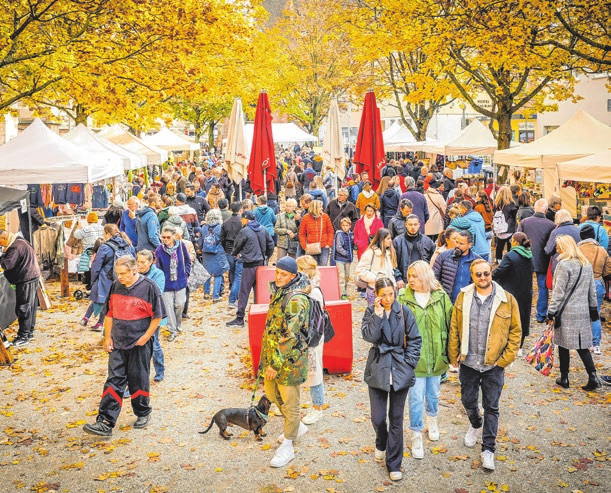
(87,140)
(474,140)
(595,167)
(284,133)
(441,129)
(11,199)
(578,137)
(168,140)
(39,155)
(117,135)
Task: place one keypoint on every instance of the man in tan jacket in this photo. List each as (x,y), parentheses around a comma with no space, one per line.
(484,339)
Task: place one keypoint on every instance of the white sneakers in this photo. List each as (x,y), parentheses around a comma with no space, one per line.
(303,429)
(379,455)
(433,429)
(417,445)
(596,350)
(284,454)
(396,476)
(488,460)
(312,416)
(472,436)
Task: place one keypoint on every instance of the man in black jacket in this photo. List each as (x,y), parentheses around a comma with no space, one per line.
(254,246)
(411,246)
(396,225)
(199,204)
(340,208)
(229,232)
(21,269)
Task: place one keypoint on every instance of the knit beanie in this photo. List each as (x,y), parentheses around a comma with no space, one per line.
(288,264)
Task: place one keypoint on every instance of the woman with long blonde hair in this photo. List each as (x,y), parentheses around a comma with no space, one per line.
(504,203)
(432,307)
(572,309)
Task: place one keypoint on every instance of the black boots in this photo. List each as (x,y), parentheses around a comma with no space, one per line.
(593,382)
(563,381)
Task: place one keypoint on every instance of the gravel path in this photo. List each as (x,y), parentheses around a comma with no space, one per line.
(550,439)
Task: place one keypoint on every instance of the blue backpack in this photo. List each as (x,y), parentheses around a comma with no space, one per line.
(210,244)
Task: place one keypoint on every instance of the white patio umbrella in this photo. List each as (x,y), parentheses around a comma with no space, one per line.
(236,155)
(333,149)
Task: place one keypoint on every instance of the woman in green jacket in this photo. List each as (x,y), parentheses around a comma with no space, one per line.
(433,311)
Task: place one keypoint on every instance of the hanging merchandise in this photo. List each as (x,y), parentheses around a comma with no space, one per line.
(75,194)
(35,196)
(100,197)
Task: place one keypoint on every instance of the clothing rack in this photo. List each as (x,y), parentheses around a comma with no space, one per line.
(64,276)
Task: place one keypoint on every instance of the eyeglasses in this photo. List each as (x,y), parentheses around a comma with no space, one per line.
(166,237)
(482,274)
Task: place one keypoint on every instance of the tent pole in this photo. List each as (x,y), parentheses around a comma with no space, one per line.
(265,182)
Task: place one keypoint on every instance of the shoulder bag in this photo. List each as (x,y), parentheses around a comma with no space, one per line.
(315,248)
(566,300)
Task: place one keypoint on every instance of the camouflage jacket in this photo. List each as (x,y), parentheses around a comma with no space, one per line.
(284,348)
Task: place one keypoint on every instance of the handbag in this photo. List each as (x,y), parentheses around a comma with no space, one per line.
(315,248)
(198,277)
(359,282)
(542,354)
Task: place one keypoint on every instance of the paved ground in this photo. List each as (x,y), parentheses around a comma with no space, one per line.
(550,440)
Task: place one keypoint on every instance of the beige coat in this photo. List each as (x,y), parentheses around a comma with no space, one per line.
(371,266)
(437,208)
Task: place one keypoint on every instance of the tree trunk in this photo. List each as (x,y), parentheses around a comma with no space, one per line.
(81,114)
(198,130)
(211,127)
(504,137)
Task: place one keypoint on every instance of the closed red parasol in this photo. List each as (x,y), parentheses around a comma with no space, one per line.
(369,152)
(262,164)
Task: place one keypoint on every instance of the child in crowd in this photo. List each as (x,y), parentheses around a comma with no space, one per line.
(343,252)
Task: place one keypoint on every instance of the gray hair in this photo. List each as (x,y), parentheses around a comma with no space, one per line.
(127,261)
(147,254)
(563,216)
(342,191)
(169,229)
(409,182)
(214,217)
(541,205)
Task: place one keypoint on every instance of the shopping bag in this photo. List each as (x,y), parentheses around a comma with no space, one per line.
(199,276)
(542,355)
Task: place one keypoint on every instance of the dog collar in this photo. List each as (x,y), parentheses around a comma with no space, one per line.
(264,417)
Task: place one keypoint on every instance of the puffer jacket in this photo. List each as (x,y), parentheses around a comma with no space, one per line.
(434,326)
(283,346)
(396,348)
(504,331)
(446,269)
(316,230)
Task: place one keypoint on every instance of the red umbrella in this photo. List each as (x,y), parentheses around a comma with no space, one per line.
(369,153)
(262,165)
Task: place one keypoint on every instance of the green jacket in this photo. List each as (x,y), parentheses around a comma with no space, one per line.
(284,348)
(434,325)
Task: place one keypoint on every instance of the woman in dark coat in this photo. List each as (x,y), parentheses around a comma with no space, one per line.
(514,274)
(215,263)
(393,331)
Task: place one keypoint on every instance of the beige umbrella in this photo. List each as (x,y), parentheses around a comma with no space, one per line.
(236,155)
(333,149)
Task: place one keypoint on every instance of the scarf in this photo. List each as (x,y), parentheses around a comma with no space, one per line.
(368,222)
(525,252)
(173,253)
(367,194)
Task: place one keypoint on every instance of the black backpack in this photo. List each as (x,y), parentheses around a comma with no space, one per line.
(319,323)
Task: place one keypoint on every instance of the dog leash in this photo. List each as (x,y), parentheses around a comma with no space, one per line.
(254,391)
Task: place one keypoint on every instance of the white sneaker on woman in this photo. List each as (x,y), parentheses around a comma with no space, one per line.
(433,428)
(312,417)
(472,436)
(417,446)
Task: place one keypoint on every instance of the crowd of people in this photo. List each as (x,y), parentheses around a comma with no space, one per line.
(418,248)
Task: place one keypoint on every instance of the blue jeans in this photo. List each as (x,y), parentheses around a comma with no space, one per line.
(317,392)
(596,326)
(543,297)
(425,389)
(216,291)
(158,359)
(235,277)
(323,257)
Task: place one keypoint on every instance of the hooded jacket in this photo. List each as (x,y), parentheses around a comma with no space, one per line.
(283,346)
(396,348)
(474,223)
(318,194)
(102,268)
(253,244)
(389,203)
(128,226)
(147,226)
(434,326)
(179,223)
(504,332)
(266,218)
(199,205)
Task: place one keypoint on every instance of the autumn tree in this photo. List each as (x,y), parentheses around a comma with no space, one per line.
(315,61)
(404,71)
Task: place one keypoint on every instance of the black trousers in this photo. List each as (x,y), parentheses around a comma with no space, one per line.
(26,304)
(185,310)
(129,368)
(249,280)
(565,359)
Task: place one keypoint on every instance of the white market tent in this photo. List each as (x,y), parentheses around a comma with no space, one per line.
(86,139)
(475,139)
(168,140)
(596,167)
(578,137)
(284,133)
(39,155)
(117,135)
(441,129)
